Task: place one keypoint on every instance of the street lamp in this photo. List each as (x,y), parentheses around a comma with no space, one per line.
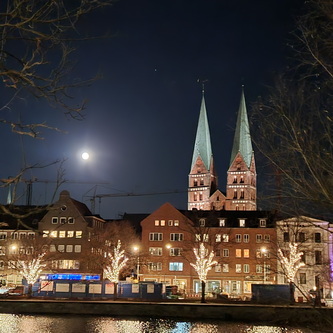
(137,250)
(264,252)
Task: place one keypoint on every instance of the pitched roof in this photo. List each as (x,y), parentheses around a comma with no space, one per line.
(202,146)
(242,139)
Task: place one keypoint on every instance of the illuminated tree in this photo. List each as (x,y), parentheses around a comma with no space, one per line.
(291,262)
(117,262)
(203,265)
(30,270)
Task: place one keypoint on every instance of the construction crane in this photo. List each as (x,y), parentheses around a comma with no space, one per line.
(128,194)
(29,183)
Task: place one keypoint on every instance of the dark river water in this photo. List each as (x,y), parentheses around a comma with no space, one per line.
(92,324)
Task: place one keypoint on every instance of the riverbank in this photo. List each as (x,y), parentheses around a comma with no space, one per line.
(304,316)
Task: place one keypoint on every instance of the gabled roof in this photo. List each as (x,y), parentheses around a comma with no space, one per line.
(202,146)
(242,139)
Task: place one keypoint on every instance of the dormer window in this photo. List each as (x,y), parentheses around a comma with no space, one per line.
(202,222)
(235,180)
(242,223)
(222,222)
(262,223)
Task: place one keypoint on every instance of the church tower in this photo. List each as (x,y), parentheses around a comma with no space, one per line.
(241,176)
(202,178)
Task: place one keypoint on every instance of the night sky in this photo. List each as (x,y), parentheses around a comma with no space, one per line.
(141,119)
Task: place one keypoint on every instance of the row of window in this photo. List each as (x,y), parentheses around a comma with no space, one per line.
(62,220)
(65,248)
(17,235)
(301,237)
(239,268)
(56,264)
(225,238)
(162,223)
(62,233)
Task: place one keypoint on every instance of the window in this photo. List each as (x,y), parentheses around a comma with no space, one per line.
(30,250)
(52,248)
(157,223)
(218,253)
(63,220)
(262,223)
(225,268)
(258,238)
(54,220)
(218,268)
(31,235)
(267,238)
(162,223)
(3,235)
(197,237)
(222,222)
(259,269)
(246,268)
(301,237)
(238,238)
(235,180)
(175,251)
(22,235)
(238,253)
(235,194)
(238,268)
(241,222)
(202,222)
(68,264)
(2,250)
(62,234)
(71,220)
(155,251)
(318,258)
(302,278)
(61,248)
(218,238)
(170,223)
(175,266)
(317,237)
(155,266)
(303,257)
(205,237)
(70,234)
(69,248)
(78,234)
(176,237)
(225,252)
(286,237)
(246,238)
(2,265)
(176,223)
(46,233)
(54,233)
(246,253)
(77,248)
(225,238)
(14,235)
(242,194)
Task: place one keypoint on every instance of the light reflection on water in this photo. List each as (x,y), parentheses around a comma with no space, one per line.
(10,323)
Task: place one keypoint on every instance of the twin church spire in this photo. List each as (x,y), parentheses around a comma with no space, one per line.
(203,192)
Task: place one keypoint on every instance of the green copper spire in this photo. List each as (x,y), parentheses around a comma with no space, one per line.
(242,139)
(202,146)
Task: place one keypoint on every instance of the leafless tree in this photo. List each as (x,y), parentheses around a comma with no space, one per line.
(294,123)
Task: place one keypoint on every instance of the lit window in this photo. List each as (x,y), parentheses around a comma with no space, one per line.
(61,248)
(238,268)
(241,222)
(54,234)
(54,220)
(70,233)
(238,253)
(155,251)
(246,253)
(197,237)
(225,238)
(77,248)
(218,238)
(222,222)
(62,234)
(176,223)
(218,268)
(46,233)
(69,248)
(157,223)
(2,250)
(78,234)
(175,266)
(162,223)
(225,268)
(205,237)
(2,265)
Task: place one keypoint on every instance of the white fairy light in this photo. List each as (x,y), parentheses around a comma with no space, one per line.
(31,269)
(117,263)
(203,262)
(291,263)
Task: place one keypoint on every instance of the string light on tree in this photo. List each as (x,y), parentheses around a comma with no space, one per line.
(31,269)
(203,265)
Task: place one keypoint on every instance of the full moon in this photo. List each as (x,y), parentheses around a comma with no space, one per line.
(85,156)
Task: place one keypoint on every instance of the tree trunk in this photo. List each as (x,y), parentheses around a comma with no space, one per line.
(203,291)
(115,290)
(292,292)
(29,293)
